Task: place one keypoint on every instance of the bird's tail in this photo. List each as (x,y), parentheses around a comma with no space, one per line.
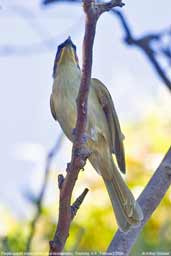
(127,211)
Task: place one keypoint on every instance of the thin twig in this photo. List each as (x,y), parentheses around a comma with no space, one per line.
(79,152)
(145,44)
(76,205)
(148,200)
(42,192)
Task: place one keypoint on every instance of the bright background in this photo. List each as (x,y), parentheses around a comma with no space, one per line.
(31,34)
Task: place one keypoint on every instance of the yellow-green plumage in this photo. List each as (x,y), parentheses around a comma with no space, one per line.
(103,129)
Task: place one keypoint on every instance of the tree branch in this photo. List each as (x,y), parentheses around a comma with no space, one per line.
(40,198)
(76,205)
(148,200)
(105,7)
(144,43)
(79,152)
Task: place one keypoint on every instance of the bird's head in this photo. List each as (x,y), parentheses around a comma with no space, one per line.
(66,53)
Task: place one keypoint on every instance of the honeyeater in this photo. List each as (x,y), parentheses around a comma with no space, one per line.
(103,130)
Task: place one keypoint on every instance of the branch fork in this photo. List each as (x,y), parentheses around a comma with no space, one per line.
(145,44)
(94,10)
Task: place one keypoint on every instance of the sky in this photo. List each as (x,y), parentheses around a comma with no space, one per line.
(31,34)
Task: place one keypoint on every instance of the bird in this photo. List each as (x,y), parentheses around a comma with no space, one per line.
(103,131)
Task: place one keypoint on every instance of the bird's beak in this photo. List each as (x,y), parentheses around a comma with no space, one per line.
(68,52)
(68,42)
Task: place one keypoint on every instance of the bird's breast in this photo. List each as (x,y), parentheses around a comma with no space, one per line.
(65,91)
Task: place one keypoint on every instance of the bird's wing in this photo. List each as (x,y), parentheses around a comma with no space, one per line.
(117,137)
(52,107)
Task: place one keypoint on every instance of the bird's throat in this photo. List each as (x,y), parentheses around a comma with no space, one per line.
(65,90)
(68,80)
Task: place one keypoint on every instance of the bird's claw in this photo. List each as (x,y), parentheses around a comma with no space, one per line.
(83,153)
(85,137)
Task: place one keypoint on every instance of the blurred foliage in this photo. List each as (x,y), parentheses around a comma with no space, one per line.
(94,226)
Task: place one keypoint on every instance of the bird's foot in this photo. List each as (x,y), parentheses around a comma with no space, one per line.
(82,153)
(85,137)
